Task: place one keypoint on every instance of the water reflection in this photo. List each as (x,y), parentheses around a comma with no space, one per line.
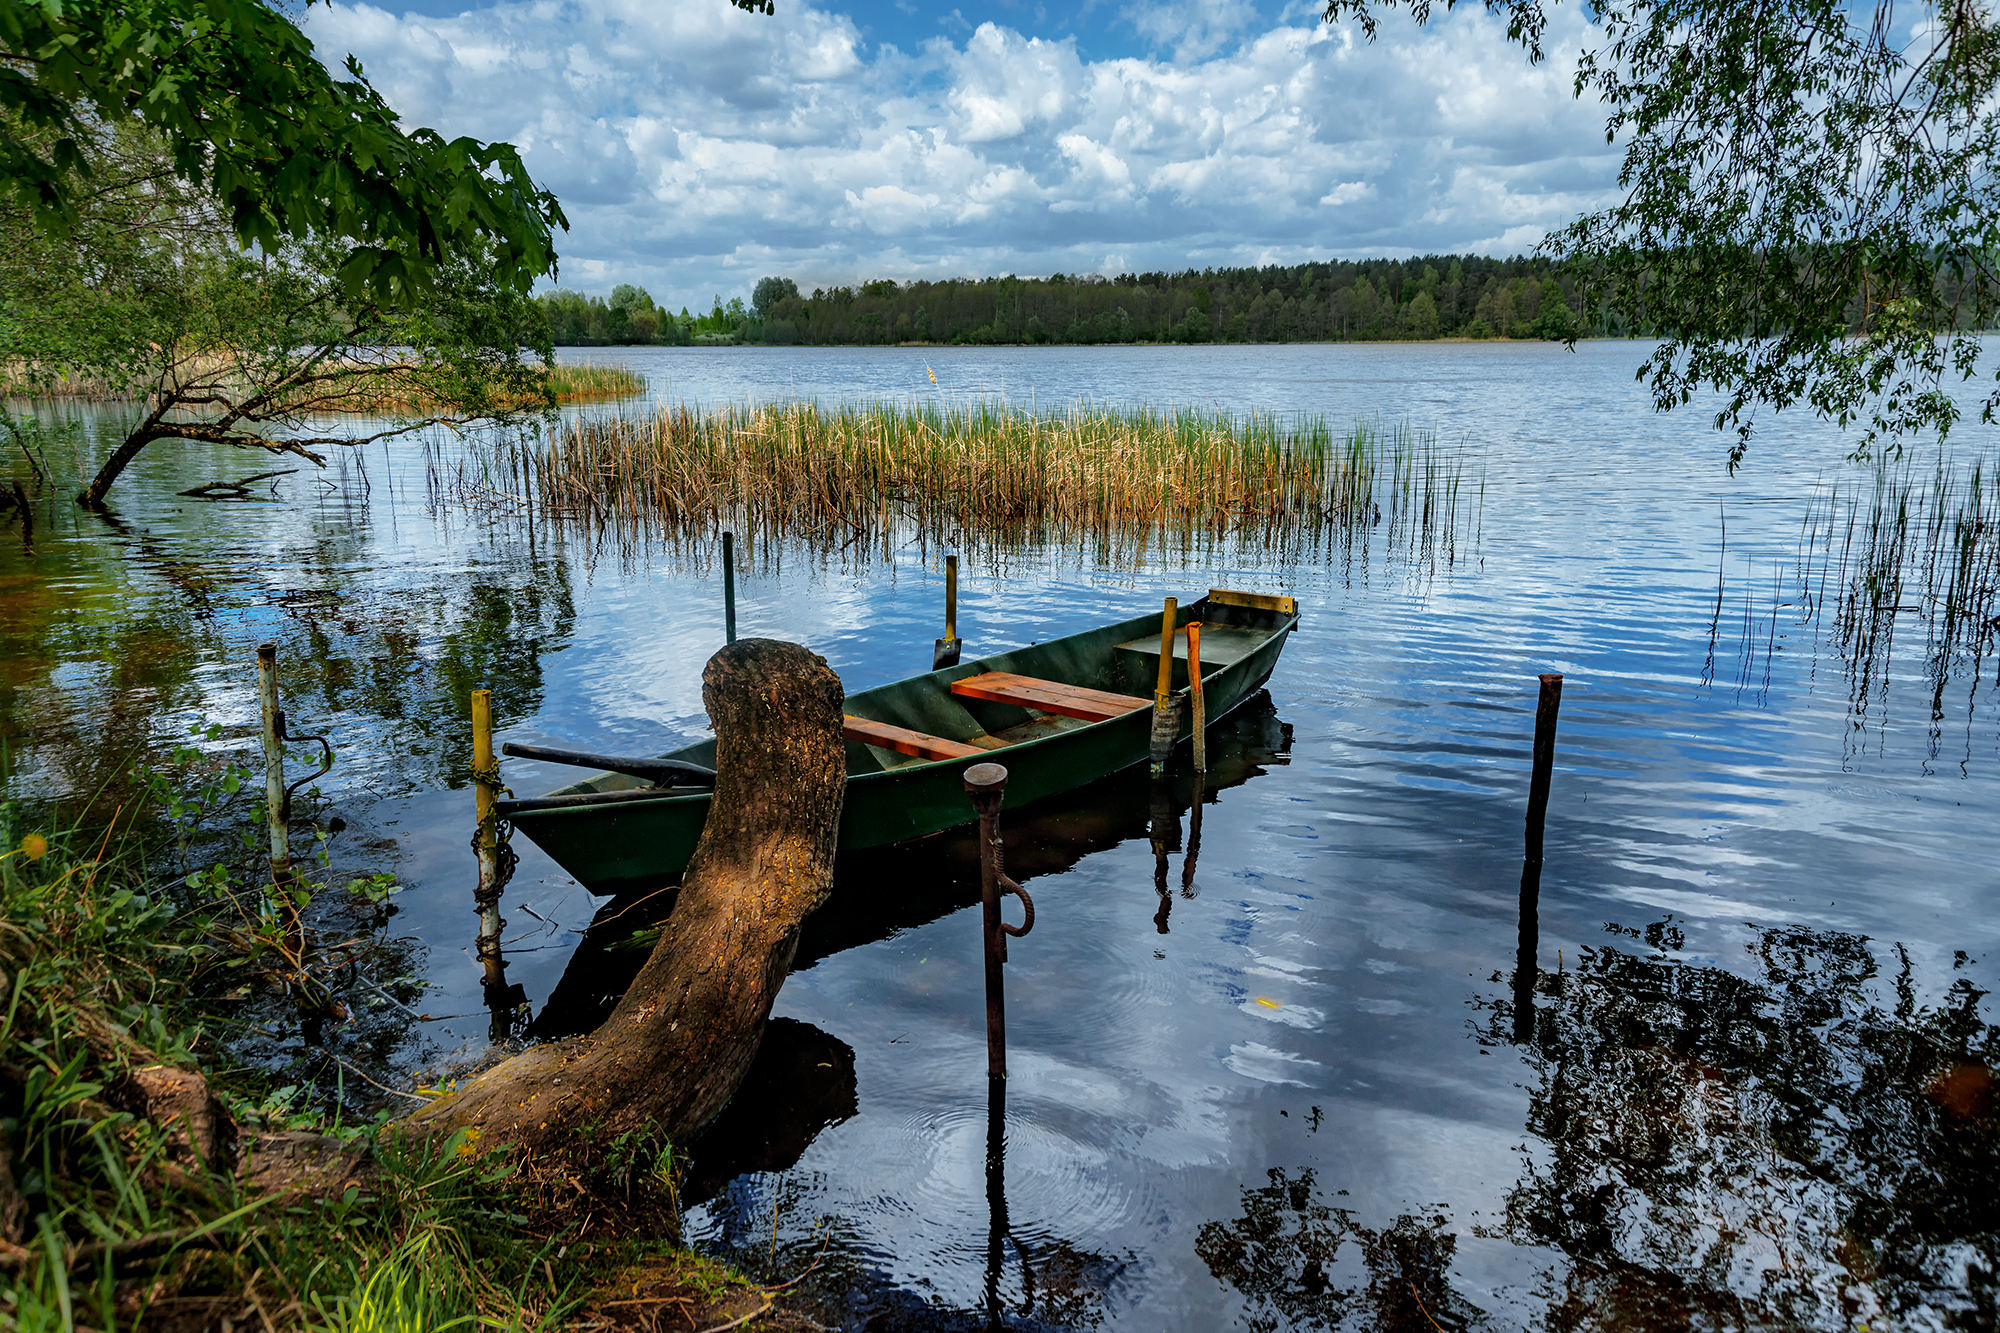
(1302,1263)
(879,892)
(1815,1146)
(800,1083)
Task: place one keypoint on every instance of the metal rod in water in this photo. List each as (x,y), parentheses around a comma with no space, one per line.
(986,784)
(486,840)
(729,587)
(274,762)
(1194,696)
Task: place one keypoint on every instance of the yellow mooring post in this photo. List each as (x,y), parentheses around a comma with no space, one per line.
(945,653)
(486,791)
(1194,696)
(274,762)
(1166,708)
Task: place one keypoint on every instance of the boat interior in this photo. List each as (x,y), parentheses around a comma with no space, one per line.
(1060,686)
(1008,699)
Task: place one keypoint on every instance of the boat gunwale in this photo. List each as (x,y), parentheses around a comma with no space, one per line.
(962,671)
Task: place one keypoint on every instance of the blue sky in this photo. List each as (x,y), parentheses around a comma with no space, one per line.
(697,147)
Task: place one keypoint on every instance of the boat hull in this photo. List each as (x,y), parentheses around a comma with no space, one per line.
(642,843)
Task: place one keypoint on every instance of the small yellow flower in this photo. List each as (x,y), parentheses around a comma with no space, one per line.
(34,846)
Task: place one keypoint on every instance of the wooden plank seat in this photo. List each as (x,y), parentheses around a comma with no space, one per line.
(902,740)
(1047,696)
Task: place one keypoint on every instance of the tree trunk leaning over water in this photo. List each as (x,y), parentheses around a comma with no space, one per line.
(673,1051)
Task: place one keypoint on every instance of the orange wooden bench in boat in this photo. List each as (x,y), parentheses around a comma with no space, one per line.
(902,740)
(1048,696)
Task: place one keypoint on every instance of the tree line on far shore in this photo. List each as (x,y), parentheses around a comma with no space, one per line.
(1437,296)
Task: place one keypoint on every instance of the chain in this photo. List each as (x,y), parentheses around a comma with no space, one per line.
(502,830)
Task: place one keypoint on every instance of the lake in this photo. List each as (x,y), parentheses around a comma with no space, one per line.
(1288,1081)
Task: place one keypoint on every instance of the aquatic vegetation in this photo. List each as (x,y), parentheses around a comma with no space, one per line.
(1904,542)
(1118,481)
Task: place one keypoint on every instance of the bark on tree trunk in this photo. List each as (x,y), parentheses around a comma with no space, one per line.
(121,457)
(673,1051)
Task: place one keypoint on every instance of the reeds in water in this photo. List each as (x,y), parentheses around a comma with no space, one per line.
(1906,542)
(1120,481)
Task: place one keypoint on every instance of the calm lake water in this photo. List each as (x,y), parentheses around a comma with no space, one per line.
(1286,1082)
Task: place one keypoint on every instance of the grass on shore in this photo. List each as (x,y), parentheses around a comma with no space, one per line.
(110,1218)
(989,473)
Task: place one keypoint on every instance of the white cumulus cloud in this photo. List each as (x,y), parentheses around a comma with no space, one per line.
(696,147)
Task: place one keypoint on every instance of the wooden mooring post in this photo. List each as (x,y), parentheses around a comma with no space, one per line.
(946,653)
(1542,769)
(1195,699)
(274,762)
(729,587)
(486,842)
(1166,707)
(986,784)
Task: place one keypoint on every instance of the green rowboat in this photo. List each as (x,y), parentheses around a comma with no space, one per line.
(1058,714)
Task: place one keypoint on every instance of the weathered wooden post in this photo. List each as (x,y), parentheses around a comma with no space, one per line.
(729,587)
(1166,708)
(946,653)
(1194,697)
(1526,963)
(274,762)
(986,784)
(486,841)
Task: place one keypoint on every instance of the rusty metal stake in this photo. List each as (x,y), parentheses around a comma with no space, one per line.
(986,784)
(1526,965)
(946,653)
(274,762)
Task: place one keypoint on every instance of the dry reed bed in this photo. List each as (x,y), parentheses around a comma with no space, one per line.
(986,472)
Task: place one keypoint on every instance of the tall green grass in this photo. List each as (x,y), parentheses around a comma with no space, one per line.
(104,1229)
(1119,481)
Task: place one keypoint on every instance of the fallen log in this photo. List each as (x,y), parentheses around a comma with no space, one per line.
(677,1045)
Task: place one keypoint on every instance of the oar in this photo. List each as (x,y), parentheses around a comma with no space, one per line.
(661,772)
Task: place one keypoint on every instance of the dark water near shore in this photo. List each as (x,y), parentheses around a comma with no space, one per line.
(1291,1088)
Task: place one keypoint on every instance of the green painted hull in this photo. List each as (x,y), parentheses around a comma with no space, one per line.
(636,843)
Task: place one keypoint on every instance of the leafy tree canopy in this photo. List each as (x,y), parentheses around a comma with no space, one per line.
(148,295)
(249,115)
(1809,214)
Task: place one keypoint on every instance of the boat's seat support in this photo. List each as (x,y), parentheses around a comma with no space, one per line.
(902,740)
(1048,696)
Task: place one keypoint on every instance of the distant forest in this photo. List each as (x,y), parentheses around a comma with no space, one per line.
(1439,296)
